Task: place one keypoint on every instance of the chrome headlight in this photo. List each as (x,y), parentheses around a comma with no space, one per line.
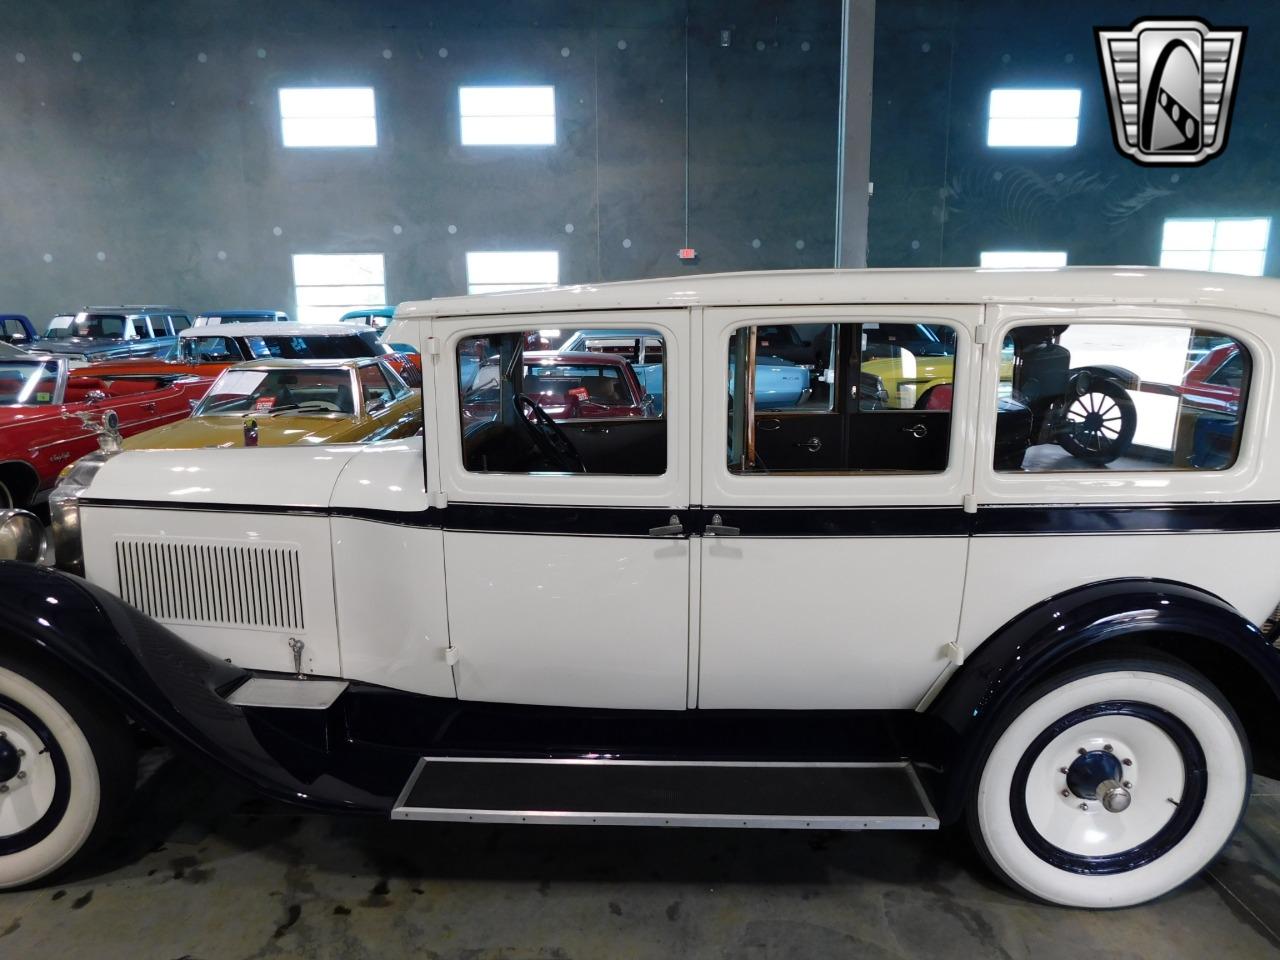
(21,536)
(64,510)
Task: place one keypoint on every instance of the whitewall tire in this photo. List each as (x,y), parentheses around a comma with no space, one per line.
(1111,785)
(66,769)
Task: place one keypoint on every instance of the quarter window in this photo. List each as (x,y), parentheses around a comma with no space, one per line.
(562,401)
(1120,397)
(840,398)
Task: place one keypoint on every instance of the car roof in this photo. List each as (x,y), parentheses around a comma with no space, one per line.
(131,308)
(241,313)
(13,316)
(975,285)
(385,310)
(278,363)
(276,328)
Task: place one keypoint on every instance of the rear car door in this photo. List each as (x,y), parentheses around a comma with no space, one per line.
(835,544)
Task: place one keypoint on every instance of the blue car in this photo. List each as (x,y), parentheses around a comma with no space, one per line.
(17,329)
(212,317)
(780,383)
(377,317)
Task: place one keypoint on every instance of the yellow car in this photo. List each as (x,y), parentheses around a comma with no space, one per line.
(273,403)
(911,360)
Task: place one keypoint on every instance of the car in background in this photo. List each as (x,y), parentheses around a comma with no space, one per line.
(16,328)
(1211,390)
(114,333)
(213,318)
(643,349)
(208,350)
(41,432)
(377,317)
(271,403)
(570,386)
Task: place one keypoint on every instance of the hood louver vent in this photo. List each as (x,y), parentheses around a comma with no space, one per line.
(254,585)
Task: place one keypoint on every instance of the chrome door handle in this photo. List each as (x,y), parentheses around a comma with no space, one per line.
(813,444)
(718,528)
(917,430)
(672,529)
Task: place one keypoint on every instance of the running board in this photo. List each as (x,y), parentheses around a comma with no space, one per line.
(800,796)
(285,693)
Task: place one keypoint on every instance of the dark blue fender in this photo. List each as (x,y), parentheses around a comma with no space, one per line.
(177,692)
(1116,617)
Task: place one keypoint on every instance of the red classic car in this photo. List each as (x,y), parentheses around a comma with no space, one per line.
(40,432)
(568,386)
(205,351)
(1214,381)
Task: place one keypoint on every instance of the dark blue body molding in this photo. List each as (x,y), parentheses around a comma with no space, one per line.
(356,756)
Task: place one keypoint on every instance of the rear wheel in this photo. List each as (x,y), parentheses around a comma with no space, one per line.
(1112,785)
(67,768)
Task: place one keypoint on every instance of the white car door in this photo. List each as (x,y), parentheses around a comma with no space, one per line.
(564,588)
(833,562)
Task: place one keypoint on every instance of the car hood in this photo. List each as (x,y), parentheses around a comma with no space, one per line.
(275,431)
(79,344)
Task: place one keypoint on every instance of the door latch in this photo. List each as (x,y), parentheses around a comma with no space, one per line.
(917,430)
(673,528)
(718,528)
(813,444)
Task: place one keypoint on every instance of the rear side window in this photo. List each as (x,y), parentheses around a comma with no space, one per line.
(868,397)
(1120,397)
(180,322)
(543,401)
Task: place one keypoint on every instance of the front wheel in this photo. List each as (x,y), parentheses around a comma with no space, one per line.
(67,768)
(1112,785)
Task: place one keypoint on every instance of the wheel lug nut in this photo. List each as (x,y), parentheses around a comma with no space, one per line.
(22,774)
(4,788)
(1082,751)
(1062,769)
(1127,762)
(22,753)
(1127,785)
(1107,747)
(1084,806)
(1066,793)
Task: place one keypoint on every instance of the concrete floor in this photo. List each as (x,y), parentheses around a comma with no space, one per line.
(204,871)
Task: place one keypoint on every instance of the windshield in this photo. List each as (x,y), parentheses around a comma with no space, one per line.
(363,343)
(268,392)
(211,350)
(27,382)
(92,326)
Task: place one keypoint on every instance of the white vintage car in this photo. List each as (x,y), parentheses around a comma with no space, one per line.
(1007,560)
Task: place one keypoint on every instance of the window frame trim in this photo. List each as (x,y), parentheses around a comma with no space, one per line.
(993,487)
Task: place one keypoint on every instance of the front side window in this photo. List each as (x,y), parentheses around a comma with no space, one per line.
(90,326)
(840,398)
(374,387)
(1111,396)
(573,409)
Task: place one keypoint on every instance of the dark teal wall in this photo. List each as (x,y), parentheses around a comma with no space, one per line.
(160,160)
(942,195)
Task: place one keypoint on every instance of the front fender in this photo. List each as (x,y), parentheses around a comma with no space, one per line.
(1110,371)
(177,691)
(1116,615)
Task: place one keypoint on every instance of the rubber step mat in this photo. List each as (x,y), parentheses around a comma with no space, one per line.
(815,796)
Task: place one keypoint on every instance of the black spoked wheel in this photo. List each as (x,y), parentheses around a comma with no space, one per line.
(1100,423)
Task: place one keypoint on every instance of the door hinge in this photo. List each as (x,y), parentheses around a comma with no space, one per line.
(438,499)
(451,655)
(954,652)
(980,333)
(433,347)
(970,503)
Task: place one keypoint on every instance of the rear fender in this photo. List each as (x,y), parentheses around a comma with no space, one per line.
(1115,618)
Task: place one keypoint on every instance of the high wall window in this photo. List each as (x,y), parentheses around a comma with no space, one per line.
(493,116)
(1023,258)
(328,117)
(330,284)
(489,271)
(1033,118)
(1225,245)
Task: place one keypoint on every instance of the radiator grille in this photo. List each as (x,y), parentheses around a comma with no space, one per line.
(237,584)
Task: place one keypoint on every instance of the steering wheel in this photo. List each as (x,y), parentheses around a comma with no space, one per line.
(547,435)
